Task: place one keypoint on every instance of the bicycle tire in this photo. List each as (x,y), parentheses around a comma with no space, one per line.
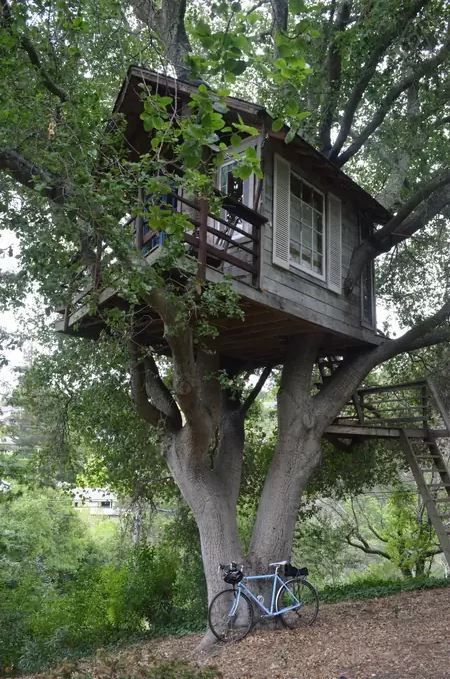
(303,591)
(221,625)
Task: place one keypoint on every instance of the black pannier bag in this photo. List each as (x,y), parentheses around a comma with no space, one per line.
(291,571)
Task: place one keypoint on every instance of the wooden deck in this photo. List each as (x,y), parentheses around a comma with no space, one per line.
(412,409)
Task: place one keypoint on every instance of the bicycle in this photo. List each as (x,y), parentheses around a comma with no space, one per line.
(294,601)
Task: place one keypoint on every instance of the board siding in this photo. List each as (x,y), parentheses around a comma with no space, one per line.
(300,287)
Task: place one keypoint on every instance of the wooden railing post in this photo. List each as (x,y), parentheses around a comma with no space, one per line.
(139,223)
(202,238)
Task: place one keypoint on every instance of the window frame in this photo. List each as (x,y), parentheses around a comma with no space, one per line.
(296,265)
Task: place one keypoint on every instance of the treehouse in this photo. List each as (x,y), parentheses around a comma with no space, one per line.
(285,240)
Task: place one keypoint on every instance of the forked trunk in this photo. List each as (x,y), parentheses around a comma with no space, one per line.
(296,456)
(209,481)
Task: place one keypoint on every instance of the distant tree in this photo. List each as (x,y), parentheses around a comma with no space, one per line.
(398,530)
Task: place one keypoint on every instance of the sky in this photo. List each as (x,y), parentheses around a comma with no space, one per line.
(13,321)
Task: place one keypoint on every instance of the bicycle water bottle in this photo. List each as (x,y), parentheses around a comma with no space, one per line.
(260,598)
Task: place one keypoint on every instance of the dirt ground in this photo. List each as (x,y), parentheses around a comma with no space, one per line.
(406,636)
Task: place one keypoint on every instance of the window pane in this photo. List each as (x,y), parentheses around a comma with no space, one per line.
(306,215)
(235,187)
(317,263)
(318,221)
(318,242)
(307,194)
(306,256)
(295,251)
(296,186)
(295,229)
(318,201)
(307,237)
(296,208)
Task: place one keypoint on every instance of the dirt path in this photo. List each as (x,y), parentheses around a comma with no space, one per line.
(406,636)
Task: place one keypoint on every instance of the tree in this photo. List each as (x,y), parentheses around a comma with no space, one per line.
(370,75)
(401,526)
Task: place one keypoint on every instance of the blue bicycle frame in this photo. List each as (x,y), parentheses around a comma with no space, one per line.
(267,612)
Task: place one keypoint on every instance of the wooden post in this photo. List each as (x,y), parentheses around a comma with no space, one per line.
(440,403)
(424,404)
(256,258)
(139,223)
(202,238)
(427,497)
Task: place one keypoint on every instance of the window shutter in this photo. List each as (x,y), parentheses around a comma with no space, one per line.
(334,244)
(281,211)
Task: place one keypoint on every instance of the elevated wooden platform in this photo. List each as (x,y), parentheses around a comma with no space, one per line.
(356,431)
(216,248)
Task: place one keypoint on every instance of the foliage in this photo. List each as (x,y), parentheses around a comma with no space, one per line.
(365,587)
(320,545)
(63,596)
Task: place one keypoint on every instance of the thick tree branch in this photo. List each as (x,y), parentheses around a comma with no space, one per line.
(280,14)
(367,72)
(396,90)
(424,192)
(168,24)
(425,204)
(424,334)
(345,380)
(333,67)
(251,398)
(145,409)
(49,83)
(33,54)
(30,174)
(181,343)
(365,547)
(160,395)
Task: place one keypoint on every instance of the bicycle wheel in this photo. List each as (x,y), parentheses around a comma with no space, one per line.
(301,591)
(227,626)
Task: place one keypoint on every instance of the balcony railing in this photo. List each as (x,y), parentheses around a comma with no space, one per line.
(229,243)
(407,405)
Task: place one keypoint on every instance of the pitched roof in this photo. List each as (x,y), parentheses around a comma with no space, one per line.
(129,102)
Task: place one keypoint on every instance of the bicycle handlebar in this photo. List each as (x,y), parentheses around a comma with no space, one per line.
(230,566)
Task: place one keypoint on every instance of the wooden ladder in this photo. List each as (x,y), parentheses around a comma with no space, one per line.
(433,482)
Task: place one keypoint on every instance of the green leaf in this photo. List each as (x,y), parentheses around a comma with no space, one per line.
(277,124)
(290,135)
(246,129)
(237,67)
(220,107)
(297,6)
(235,139)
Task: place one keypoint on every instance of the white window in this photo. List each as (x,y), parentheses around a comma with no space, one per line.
(239,189)
(307,229)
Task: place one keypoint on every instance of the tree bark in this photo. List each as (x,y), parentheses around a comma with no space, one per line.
(209,480)
(297,454)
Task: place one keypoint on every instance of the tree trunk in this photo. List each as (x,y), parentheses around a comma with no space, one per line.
(297,454)
(209,481)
